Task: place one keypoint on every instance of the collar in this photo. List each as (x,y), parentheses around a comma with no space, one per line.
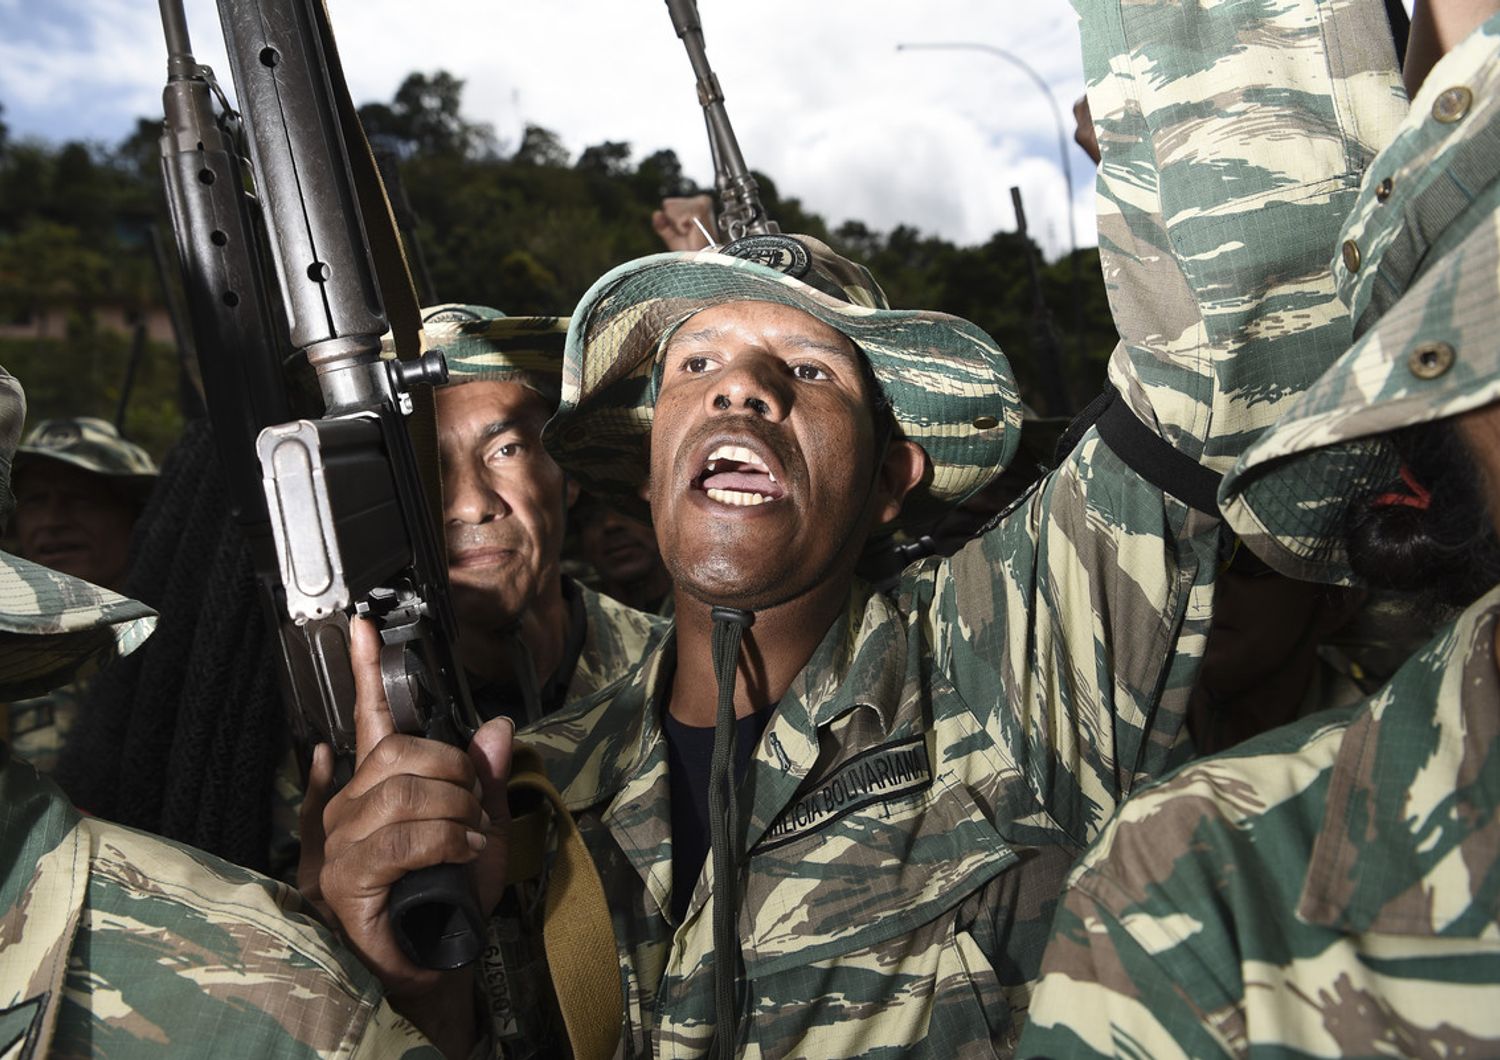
(507,697)
(595,747)
(1409,843)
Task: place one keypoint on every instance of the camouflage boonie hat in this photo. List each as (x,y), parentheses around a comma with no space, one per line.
(482,344)
(93,445)
(948,385)
(53,627)
(1419,268)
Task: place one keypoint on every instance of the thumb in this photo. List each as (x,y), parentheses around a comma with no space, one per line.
(490,751)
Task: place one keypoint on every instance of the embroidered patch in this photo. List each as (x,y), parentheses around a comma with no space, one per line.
(892,771)
(782,253)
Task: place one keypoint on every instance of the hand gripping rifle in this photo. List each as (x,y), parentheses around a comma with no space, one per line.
(338,513)
(740,211)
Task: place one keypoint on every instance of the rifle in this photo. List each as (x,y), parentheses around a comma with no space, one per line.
(740,211)
(340,517)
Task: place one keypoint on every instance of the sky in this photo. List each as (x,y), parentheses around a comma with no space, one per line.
(820,98)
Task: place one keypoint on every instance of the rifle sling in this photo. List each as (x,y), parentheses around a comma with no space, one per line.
(577,932)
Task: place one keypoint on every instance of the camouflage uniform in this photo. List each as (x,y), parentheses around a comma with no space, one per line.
(1332,888)
(117,943)
(922,788)
(37,728)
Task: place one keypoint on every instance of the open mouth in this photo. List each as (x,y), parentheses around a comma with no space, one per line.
(735,475)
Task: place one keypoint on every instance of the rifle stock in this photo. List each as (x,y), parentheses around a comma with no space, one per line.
(325,479)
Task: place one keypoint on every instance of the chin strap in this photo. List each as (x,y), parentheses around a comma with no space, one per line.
(724,830)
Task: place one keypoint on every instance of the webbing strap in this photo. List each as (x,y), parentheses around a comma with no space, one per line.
(577,932)
(1149,455)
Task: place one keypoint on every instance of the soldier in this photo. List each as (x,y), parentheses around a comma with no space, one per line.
(531,638)
(79,489)
(113,941)
(623,552)
(917,771)
(1330,889)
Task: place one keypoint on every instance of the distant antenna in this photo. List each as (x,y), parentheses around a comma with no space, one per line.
(740,211)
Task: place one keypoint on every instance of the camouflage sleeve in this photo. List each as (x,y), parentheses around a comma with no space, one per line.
(1104,993)
(1234,137)
(178,949)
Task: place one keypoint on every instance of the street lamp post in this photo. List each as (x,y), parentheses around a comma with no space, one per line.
(1062,153)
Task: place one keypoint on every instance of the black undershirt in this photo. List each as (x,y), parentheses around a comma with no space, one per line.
(690,750)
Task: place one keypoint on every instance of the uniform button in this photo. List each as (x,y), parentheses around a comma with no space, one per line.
(1452,104)
(984,423)
(1430,360)
(1351,255)
(1383,190)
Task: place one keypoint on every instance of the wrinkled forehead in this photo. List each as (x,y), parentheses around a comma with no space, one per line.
(467,409)
(799,330)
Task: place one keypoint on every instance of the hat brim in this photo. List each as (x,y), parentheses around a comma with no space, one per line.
(137,485)
(1289,494)
(949,386)
(55,627)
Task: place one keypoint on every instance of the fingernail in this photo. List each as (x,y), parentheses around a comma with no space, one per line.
(477,840)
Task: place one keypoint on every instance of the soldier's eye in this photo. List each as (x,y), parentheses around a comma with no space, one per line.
(506,451)
(809,372)
(695,364)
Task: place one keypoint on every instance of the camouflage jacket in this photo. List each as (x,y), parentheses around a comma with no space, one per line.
(1330,889)
(922,788)
(116,943)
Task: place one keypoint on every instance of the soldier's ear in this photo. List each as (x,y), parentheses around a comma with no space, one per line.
(903,467)
(571,491)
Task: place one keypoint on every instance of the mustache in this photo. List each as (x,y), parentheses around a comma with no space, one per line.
(477,538)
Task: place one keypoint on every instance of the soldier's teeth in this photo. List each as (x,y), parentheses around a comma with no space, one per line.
(739,498)
(739,454)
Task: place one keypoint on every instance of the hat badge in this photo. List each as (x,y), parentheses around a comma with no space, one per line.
(782,253)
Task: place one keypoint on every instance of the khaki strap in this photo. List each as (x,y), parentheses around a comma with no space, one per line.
(577,932)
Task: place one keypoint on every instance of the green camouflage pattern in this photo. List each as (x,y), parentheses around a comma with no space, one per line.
(68,628)
(922,788)
(1331,889)
(93,445)
(1231,132)
(37,728)
(949,387)
(481,343)
(1425,235)
(122,944)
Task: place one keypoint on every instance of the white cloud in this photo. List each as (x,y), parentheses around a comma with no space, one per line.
(819,95)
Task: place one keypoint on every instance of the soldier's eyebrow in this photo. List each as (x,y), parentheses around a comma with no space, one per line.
(800,342)
(496,427)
